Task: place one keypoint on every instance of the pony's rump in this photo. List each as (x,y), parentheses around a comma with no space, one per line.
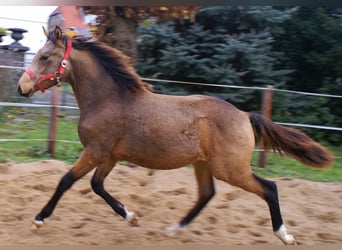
(290,141)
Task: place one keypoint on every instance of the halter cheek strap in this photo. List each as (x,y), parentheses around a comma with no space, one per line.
(54,76)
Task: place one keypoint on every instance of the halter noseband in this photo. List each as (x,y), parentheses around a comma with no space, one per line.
(57,75)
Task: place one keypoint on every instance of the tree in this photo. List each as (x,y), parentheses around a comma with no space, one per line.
(219,49)
(312,46)
(117,25)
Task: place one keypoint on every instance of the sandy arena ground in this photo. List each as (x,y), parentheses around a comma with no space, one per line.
(312,211)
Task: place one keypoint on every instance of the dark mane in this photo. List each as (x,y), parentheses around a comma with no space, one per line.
(114,62)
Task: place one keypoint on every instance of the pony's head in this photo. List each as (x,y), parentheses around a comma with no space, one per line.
(48,66)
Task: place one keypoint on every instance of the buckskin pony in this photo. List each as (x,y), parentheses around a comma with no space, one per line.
(120,119)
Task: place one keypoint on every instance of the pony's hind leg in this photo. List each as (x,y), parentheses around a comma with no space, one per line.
(83,165)
(270,194)
(206,191)
(267,190)
(97,183)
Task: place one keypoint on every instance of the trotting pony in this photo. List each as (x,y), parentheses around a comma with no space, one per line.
(120,119)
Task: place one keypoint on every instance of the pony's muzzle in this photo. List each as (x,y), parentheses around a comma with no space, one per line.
(22,93)
(24,85)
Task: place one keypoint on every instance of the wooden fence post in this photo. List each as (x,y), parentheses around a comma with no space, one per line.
(53,121)
(267,112)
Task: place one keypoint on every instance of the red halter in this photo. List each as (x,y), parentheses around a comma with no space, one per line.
(57,75)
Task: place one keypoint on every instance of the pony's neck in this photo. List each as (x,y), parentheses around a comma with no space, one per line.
(90,82)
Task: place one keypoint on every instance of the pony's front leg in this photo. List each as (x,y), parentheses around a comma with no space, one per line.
(206,190)
(97,184)
(81,168)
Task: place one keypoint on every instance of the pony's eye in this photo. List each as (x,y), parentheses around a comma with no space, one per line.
(44,57)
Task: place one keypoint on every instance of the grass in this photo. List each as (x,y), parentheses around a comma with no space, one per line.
(284,166)
(19,123)
(33,127)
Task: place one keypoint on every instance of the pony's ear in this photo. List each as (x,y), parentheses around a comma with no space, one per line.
(46,33)
(58,33)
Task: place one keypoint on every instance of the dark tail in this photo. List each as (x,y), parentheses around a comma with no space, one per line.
(291,141)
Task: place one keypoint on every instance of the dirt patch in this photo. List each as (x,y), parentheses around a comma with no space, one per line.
(312,211)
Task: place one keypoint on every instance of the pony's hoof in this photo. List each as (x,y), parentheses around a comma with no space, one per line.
(132,219)
(290,240)
(36,224)
(287,239)
(172,231)
(134,222)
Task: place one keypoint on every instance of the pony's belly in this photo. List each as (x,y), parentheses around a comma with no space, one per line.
(159,157)
(160,165)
